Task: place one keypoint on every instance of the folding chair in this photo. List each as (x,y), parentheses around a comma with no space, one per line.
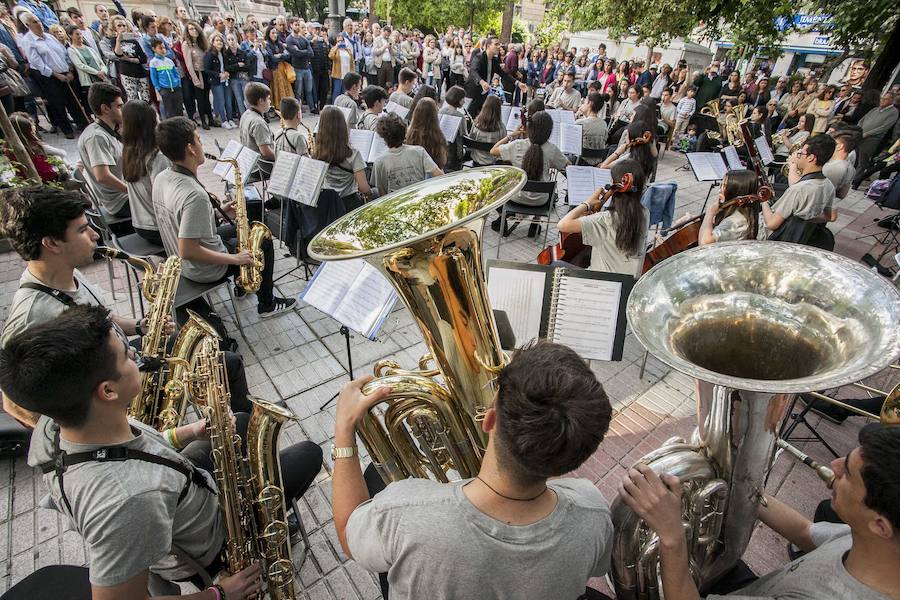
(189,290)
(597,153)
(468,145)
(543,211)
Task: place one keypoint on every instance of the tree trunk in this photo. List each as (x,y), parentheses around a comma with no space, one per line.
(886,61)
(372,16)
(507,23)
(649,60)
(15,144)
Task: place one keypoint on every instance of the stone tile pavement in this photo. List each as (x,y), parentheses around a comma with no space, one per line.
(300,358)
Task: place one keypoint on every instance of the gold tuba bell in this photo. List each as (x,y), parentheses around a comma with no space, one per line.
(426,239)
(760,322)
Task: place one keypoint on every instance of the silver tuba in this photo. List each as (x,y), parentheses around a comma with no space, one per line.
(426,240)
(760,321)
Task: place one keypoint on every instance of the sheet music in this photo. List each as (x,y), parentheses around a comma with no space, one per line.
(707,166)
(521,294)
(450,126)
(398,109)
(283,173)
(379,148)
(586,316)
(514,119)
(247,160)
(354,293)
(734,161)
(504,112)
(308,179)
(466,103)
(584,181)
(347,112)
(765,153)
(570,138)
(231,151)
(561,116)
(361,140)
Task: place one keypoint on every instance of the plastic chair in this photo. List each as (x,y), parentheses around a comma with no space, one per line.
(189,290)
(542,211)
(469,144)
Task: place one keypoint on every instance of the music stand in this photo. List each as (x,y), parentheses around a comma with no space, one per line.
(345,331)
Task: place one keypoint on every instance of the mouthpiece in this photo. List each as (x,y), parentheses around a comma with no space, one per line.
(107,252)
(824,473)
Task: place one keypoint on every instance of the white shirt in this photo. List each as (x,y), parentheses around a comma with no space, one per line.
(45,54)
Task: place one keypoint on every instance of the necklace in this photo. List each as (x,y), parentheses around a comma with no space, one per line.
(509,497)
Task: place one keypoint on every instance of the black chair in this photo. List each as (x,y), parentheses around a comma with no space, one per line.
(542,211)
(468,145)
(596,153)
(14,437)
(54,582)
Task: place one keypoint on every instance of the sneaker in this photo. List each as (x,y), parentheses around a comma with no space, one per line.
(279,305)
(495,224)
(234,124)
(226,124)
(833,413)
(533,230)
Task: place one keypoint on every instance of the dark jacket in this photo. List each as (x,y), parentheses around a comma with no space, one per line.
(319,61)
(211,65)
(478,72)
(240,63)
(276,53)
(301,51)
(707,89)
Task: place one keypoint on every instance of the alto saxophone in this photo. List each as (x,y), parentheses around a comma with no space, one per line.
(250,236)
(251,491)
(310,139)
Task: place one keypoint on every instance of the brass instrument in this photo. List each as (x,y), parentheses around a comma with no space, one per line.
(251,492)
(148,286)
(711,109)
(824,473)
(761,322)
(733,119)
(310,139)
(250,236)
(426,240)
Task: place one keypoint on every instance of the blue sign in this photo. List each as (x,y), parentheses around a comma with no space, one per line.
(813,22)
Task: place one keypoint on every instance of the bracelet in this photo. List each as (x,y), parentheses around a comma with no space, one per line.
(587,208)
(173,438)
(218,591)
(138,328)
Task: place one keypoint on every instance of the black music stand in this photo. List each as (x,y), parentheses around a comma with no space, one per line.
(345,331)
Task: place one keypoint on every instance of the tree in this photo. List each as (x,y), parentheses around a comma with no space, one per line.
(437,15)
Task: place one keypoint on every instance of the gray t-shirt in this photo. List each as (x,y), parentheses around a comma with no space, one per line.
(255,131)
(401,167)
(732,228)
(514,153)
(566,100)
(342,178)
(599,232)
(128,513)
(818,575)
(345,101)
(593,135)
(479,156)
(183,210)
(140,193)
(291,140)
(31,307)
(97,147)
(415,524)
(840,173)
(806,199)
(369,120)
(404,100)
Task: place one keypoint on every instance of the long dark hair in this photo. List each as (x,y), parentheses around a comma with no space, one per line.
(424,130)
(641,151)
(489,117)
(138,139)
(27,131)
(627,211)
(741,182)
(201,41)
(424,91)
(333,137)
(540,126)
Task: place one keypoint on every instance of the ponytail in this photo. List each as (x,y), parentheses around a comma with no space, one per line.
(540,126)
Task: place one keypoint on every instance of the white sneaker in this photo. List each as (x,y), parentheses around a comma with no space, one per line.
(228,125)
(234,125)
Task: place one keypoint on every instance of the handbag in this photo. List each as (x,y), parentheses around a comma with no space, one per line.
(267,74)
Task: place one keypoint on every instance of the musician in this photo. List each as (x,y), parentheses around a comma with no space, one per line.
(255,132)
(289,139)
(100,149)
(131,513)
(593,126)
(478,538)
(187,224)
(736,222)
(811,195)
(857,560)
(794,135)
(484,67)
(839,170)
(402,165)
(49,230)
(617,236)
(374,98)
(637,146)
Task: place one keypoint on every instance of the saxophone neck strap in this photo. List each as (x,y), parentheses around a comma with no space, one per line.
(62,460)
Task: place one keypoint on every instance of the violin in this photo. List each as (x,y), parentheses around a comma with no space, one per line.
(571,246)
(687,234)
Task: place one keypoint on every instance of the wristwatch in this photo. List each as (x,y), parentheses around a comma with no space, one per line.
(346,452)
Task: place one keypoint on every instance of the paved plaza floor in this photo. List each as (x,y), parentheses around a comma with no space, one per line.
(299,357)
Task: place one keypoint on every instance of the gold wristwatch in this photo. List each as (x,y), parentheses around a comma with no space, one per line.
(347,452)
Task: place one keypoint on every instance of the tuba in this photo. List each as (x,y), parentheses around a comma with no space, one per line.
(250,236)
(251,492)
(426,240)
(733,119)
(759,321)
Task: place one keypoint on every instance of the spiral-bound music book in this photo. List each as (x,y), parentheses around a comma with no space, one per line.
(582,309)
(297,177)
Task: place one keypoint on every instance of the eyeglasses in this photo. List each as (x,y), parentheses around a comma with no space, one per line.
(800,153)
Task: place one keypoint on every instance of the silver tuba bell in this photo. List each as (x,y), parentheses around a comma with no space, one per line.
(760,321)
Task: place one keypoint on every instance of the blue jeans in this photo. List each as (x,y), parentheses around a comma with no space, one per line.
(305,79)
(222,102)
(337,88)
(237,89)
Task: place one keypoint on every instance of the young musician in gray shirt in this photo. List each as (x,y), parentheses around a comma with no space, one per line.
(100,149)
(402,165)
(518,529)
(349,100)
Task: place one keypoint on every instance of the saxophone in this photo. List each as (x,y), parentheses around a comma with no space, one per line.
(251,492)
(250,236)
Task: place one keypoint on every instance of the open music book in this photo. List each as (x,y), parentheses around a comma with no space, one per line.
(561,116)
(707,166)
(513,117)
(398,109)
(353,293)
(450,126)
(246,159)
(505,109)
(582,309)
(297,177)
(584,181)
(566,137)
(371,146)
(765,153)
(347,114)
(731,155)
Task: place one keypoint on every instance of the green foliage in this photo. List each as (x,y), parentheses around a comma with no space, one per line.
(436,15)
(494,23)
(651,21)
(862,26)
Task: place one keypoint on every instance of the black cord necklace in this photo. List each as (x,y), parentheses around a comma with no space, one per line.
(509,497)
